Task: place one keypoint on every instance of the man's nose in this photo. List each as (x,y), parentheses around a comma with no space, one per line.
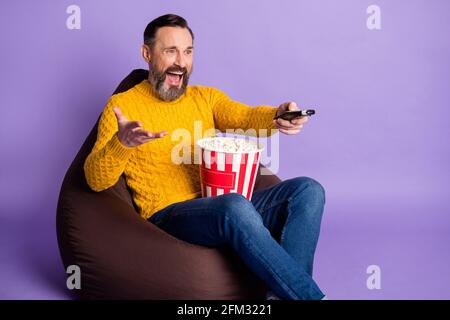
(180,60)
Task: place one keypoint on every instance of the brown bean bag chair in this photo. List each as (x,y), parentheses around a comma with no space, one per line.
(122,256)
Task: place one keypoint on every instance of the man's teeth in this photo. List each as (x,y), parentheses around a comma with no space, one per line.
(177,73)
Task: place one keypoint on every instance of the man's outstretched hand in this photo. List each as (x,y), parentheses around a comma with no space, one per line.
(289,127)
(131,134)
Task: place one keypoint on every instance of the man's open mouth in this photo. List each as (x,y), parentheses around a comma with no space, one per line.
(174,77)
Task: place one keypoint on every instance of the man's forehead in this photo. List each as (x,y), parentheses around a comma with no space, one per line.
(173,37)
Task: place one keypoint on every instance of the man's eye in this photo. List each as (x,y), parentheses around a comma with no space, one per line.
(170,51)
(188,52)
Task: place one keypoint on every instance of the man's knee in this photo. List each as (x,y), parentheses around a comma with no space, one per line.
(237,209)
(308,185)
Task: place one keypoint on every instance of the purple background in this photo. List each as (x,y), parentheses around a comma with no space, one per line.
(378,143)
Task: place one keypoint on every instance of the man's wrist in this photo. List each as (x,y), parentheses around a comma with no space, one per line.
(118,150)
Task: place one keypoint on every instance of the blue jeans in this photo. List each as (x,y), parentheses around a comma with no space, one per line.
(275,234)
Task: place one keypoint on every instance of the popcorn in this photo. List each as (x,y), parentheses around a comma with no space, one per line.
(228,144)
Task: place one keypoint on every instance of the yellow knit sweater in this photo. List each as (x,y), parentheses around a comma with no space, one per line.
(156,180)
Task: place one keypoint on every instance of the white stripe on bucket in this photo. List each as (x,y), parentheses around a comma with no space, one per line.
(220,161)
(236,167)
(207,157)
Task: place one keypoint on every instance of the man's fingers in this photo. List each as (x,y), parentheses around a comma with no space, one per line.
(131,125)
(149,136)
(162,133)
(292,127)
(289,106)
(139,132)
(146,135)
(289,132)
(157,134)
(284,123)
(143,139)
(299,120)
(292,106)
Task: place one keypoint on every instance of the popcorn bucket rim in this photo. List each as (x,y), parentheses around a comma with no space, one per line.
(259,146)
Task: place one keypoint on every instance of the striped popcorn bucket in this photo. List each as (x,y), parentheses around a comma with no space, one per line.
(226,172)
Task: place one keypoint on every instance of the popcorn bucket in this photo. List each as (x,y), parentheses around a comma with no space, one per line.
(228,165)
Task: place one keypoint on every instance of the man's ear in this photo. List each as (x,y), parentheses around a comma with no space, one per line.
(145,52)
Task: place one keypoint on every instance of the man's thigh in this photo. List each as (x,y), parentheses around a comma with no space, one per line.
(195,221)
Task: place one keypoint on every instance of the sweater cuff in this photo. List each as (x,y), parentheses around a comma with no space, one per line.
(264,117)
(117,150)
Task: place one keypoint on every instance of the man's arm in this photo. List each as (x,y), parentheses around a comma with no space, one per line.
(108,158)
(117,136)
(229,114)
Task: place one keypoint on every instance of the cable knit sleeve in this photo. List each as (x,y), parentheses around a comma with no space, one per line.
(108,158)
(229,114)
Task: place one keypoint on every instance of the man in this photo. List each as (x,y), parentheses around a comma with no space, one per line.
(275,234)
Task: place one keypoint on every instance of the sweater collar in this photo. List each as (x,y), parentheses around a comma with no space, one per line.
(147,90)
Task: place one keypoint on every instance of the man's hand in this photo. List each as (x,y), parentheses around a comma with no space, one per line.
(131,134)
(289,127)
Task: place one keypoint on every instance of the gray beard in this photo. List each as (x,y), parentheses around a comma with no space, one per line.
(157,79)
